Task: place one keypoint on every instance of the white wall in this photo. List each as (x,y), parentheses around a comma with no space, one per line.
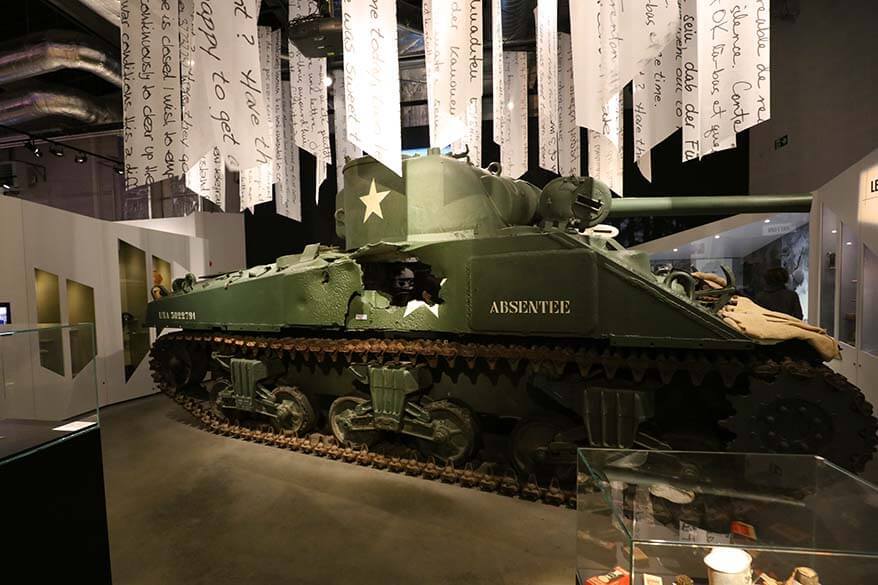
(850,197)
(86,250)
(824,82)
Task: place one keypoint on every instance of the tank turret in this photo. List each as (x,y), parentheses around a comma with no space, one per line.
(440,197)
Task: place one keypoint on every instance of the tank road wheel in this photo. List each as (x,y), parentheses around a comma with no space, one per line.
(215,387)
(455,437)
(805,409)
(295,415)
(529,444)
(340,413)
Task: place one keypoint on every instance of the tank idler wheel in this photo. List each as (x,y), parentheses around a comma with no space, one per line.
(182,367)
(530,440)
(455,433)
(295,415)
(339,413)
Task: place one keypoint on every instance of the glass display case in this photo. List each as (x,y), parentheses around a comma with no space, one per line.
(48,386)
(665,517)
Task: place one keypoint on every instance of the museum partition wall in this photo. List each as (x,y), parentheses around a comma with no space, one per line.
(61,267)
(844,274)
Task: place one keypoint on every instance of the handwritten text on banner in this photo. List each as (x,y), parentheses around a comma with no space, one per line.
(372,79)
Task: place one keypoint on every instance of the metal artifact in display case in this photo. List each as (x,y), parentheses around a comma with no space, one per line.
(48,386)
(677,517)
(469,309)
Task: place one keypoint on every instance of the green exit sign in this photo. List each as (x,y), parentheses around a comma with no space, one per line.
(781,142)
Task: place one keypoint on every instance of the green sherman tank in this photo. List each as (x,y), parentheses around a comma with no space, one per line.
(474,317)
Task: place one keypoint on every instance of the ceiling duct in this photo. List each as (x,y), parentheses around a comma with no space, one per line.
(54,51)
(66,106)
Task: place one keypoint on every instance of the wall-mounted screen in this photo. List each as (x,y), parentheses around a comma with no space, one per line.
(5,313)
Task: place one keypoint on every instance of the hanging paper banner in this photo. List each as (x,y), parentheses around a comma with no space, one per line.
(453,59)
(657,97)
(431,67)
(227,71)
(255,183)
(733,68)
(344,150)
(513,140)
(605,157)
(547,82)
(569,151)
(310,103)
(151,91)
(288,200)
(612,40)
(498,76)
(195,135)
(688,80)
(208,178)
(372,79)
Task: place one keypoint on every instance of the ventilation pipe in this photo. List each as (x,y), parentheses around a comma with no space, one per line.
(34,56)
(30,105)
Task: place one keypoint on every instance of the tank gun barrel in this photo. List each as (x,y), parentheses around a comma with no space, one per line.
(710,205)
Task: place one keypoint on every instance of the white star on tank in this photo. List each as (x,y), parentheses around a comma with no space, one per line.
(372,201)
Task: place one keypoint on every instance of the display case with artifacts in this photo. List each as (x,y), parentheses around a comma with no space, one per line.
(693,518)
(47,374)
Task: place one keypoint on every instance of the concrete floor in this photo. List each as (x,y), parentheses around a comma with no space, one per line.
(187,507)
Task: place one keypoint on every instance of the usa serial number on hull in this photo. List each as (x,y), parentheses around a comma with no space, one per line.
(177,315)
(526,307)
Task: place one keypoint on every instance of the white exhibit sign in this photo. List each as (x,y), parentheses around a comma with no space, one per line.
(453,59)
(733,68)
(547,82)
(310,103)
(151,99)
(569,150)
(372,79)
(227,66)
(344,150)
(605,157)
(513,140)
(208,178)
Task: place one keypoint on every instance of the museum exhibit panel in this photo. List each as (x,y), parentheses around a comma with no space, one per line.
(339,271)
(680,518)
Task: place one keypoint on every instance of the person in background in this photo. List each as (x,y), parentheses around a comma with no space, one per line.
(158,289)
(776,296)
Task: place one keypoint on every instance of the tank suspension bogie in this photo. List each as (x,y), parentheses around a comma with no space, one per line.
(418,392)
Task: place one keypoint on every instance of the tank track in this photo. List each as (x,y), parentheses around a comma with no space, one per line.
(609,362)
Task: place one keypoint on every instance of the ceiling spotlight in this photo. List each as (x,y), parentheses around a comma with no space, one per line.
(56,150)
(119,170)
(676,250)
(848,243)
(510,105)
(80,158)
(327,81)
(835,231)
(767,221)
(716,237)
(33,148)
(8,183)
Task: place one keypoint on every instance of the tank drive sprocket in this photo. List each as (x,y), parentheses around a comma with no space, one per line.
(796,407)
